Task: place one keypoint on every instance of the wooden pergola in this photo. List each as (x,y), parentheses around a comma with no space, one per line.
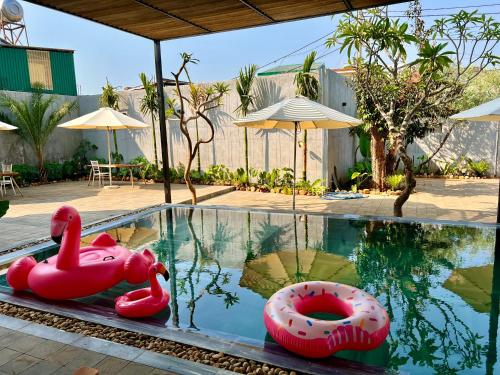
(160,20)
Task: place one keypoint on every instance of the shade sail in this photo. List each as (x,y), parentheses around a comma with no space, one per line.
(269,273)
(104,119)
(309,114)
(473,285)
(171,19)
(489,111)
(4,126)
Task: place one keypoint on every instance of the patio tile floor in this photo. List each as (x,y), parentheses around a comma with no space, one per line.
(28,217)
(438,199)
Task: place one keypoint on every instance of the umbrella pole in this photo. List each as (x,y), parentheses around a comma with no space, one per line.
(294,161)
(109,157)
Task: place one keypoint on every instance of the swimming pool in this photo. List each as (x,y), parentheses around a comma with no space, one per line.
(435,280)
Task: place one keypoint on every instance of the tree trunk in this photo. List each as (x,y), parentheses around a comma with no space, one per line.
(390,161)
(304,171)
(41,166)
(377,148)
(246,153)
(410,181)
(154,141)
(116,147)
(187,178)
(198,159)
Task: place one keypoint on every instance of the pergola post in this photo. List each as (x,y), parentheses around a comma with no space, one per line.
(163,123)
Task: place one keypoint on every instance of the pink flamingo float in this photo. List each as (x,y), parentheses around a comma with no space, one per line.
(75,272)
(146,301)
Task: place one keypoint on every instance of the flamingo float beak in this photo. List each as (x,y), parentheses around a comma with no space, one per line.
(57,228)
(162,270)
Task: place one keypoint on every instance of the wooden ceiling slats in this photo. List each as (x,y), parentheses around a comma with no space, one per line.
(195,17)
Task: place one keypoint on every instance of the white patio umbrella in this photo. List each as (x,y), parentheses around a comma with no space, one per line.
(489,111)
(4,126)
(104,119)
(296,113)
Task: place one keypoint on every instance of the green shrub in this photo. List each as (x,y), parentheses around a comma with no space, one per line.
(27,174)
(81,156)
(317,187)
(478,168)
(4,206)
(54,171)
(396,181)
(69,170)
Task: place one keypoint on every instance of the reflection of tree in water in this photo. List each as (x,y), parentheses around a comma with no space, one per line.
(221,237)
(270,237)
(203,264)
(403,262)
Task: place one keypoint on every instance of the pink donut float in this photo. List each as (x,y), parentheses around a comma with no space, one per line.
(285,315)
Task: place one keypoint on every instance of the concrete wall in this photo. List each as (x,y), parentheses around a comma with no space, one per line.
(61,145)
(475,140)
(267,148)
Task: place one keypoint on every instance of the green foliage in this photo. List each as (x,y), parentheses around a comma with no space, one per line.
(81,157)
(478,168)
(306,82)
(395,182)
(68,169)
(109,96)
(219,174)
(318,187)
(54,171)
(4,206)
(244,84)
(27,174)
(482,89)
(36,118)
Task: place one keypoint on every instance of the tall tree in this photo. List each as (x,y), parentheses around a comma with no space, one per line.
(404,90)
(110,98)
(36,118)
(196,97)
(212,99)
(244,84)
(149,106)
(307,85)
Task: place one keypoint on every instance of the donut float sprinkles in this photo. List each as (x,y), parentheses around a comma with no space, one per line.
(285,315)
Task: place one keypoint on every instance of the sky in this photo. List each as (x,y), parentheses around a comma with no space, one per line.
(104,53)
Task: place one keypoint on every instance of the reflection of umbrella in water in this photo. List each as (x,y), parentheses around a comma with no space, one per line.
(473,285)
(129,237)
(271,272)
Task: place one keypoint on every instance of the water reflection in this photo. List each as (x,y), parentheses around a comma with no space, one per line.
(439,284)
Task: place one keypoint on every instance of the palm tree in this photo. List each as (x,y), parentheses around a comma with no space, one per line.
(244,87)
(36,119)
(110,98)
(307,85)
(149,106)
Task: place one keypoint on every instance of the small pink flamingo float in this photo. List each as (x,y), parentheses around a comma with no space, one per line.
(75,272)
(146,301)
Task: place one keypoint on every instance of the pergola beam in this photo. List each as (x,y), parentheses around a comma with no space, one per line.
(348,4)
(257,10)
(168,14)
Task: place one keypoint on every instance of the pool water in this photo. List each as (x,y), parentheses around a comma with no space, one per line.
(434,280)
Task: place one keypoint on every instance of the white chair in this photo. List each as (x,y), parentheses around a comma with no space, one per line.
(7,180)
(96,172)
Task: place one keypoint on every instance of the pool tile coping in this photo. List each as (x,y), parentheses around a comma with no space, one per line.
(109,348)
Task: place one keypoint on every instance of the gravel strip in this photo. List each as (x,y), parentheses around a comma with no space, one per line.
(155,344)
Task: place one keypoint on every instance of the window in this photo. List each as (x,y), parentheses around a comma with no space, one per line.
(39,67)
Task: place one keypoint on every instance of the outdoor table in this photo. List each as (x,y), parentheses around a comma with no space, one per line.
(130,167)
(12,175)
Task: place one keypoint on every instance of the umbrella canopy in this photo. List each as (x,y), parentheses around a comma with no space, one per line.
(129,237)
(269,273)
(4,126)
(489,111)
(104,119)
(296,113)
(310,115)
(473,285)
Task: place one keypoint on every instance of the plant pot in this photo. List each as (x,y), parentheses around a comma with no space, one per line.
(252,189)
(302,192)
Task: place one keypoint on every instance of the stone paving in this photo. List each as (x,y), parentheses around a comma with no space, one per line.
(28,217)
(441,199)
